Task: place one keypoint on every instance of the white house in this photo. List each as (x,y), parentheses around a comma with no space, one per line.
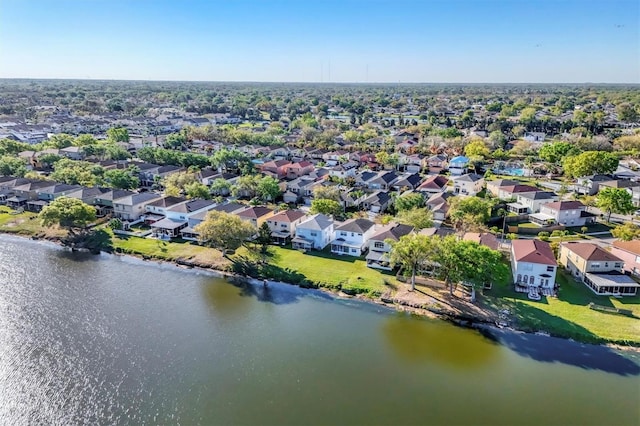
(568,213)
(458,165)
(131,207)
(469,184)
(533,201)
(352,237)
(314,233)
(533,266)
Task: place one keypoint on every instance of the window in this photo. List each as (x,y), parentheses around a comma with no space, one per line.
(283,225)
(550,268)
(313,234)
(525,279)
(595,265)
(618,265)
(343,234)
(531,279)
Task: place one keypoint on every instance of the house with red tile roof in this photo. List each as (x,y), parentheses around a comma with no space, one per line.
(533,266)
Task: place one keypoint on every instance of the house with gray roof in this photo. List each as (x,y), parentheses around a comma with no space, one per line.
(314,233)
(352,237)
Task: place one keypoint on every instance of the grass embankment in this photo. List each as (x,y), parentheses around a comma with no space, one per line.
(321,269)
(27,223)
(569,315)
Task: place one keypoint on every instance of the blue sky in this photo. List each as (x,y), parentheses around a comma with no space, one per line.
(326,40)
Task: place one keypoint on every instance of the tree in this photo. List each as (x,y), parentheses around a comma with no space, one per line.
(614,200)
(264,237)
(175,141)
(476,148)
(115,152)
(556,151)
(590,162)
(118,134)
(197,190)
(417,217)
(59,141)
(220,186)
(175,183)
(326,207)
(68,213)
(12,166)
(48,160)
(269,188)
(411,251)
(408,201)
(246,186)
(85,140)
(74,172)
(224,231)
(326,192)
(121,179)
(469,212)
(627,113)
(230,160)
(627,232)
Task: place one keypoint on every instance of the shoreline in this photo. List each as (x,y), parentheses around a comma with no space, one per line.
(394,304)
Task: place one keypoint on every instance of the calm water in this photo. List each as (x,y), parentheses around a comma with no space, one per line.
(102,340)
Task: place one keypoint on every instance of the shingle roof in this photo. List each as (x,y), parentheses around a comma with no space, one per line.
(356,225)
(317,222)
(392,231)
(630,246)
(288,216)
(533,251)
(564,205)
(590,251)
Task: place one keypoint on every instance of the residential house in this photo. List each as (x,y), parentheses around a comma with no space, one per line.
(275,168)
(73,152)
(439,205)
(534,136)
(597,268)
(157,209)
(255,215)
(415,163)
(590,185)
(379,248)
(352,237)
(494,186)
(433,185)
(104,202)
(382,180)
(193,220)
(469,184)
(533,267)
(629,252)
(533,201)
(406,181)
(344,170)
(176,217)
(27,192)
(299,169)
(283,225)
(437,163)
(486,239)
(458,165)
(153,174)
(377,202)
(567,213)
(132,207)
(316,232)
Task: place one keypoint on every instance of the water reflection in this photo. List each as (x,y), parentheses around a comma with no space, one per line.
(427,341)
(551,349)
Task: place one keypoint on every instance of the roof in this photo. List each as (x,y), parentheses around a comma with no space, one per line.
(255,212)
(288,216)
(356,225)
(459,159)
(632,246)
(434,182)
(317,222)
(533,251)
(591,252)
(229,207)
(134,199)
(564,205)
(539,195)
(483,238)
(191,206)
(168,223)
(392,231)
(167,201)
(517,189)
(502,182)
(471,177)
(612,280)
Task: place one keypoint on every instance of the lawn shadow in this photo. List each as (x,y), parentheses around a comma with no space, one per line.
(554,349)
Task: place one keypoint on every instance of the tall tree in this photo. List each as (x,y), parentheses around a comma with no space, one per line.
(408,201)
(224,231)
(269,188)
(614,200)
(118,134)
(411,251)
(590,162)
(469,212)
(12,166)
(418,217)
(68,213)
(326,207)
(627,232)
(121,179)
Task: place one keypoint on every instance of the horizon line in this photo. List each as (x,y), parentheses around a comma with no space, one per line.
(324,83)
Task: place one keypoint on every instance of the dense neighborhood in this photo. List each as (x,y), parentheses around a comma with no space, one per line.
(403,196)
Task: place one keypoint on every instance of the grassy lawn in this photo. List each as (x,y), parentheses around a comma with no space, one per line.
(569,314)
(165,250)
(326,270)
(26,223)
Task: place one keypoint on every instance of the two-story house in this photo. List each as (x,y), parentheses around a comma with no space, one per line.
(533,267)
(494,186)
(437,163)
(629,252)
(131,207)
(352,236)
(316,232)
(189,233)
(177,217)
(283,225)
(275,168)
(379,248)
(433,185)
(299,169)
(567,213)
(458,165)
(255,215)
(597,268)
(533,201)
(469,184)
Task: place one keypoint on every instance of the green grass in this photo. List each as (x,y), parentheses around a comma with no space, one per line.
(26,223)
(325,270)
(568,315)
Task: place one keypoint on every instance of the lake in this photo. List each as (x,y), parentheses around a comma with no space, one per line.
(107,339)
